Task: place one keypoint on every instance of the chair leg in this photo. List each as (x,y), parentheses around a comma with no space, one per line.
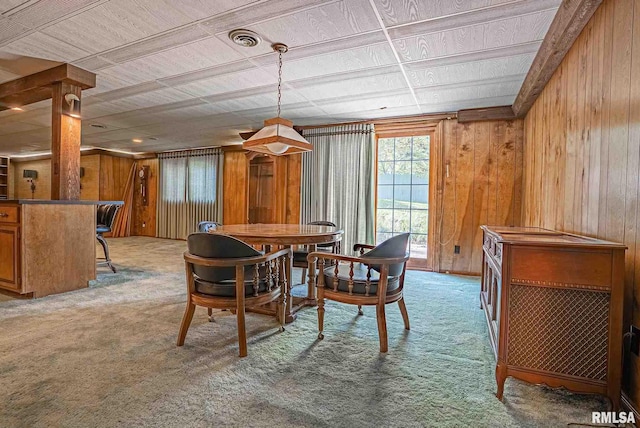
(320,312)
(405,314)
(304,275)
(382,327)
(360,310)
(105,247)
(186,322)
(210,313)
(242,332)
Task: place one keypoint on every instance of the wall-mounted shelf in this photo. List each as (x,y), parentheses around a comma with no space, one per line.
(4,178)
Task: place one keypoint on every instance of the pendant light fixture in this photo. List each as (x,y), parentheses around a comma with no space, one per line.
(278,136)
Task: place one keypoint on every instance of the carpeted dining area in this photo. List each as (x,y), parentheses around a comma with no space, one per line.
(106,356)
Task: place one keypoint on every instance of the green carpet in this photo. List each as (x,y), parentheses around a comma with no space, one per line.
(106,356)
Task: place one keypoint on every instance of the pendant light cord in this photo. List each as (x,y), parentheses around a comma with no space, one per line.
(279,80)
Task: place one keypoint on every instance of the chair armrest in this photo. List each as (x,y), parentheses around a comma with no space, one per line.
(356,247)
(312,257)
(240,261)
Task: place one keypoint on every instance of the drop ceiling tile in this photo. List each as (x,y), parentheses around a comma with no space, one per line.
(43,46)
(342,61)
(150,99)
(200,9)
(157,43)
(14,127)
(93,63)
(7,5)
(10,29)
(395,12)
(261,11)
(513,31)
(355,87)
(228,82)
(465,93)
(266,100)
(471,71)
(43,12)
(118,22)
(207,73)
(319,24)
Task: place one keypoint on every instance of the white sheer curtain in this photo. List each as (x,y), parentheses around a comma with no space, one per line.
(338,181)
(190,191)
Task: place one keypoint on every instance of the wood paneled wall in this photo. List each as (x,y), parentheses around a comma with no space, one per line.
(22,189)
(582,146)
(144,216)
(479,181)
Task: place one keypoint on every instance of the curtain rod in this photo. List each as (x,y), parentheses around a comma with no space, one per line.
(397,119)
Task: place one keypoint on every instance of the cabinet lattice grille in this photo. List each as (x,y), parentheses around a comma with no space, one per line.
(559,330)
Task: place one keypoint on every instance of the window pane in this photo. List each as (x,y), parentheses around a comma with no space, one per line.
(418,246)
(403,172)
(420,172)
(174,176)
(202,180)
(385,172)
(403,148)
(384,220)
(419,221)
(381,237)
(421,147)
(401,220)
(385,196)
(385,149)
(420,197)
(402,196)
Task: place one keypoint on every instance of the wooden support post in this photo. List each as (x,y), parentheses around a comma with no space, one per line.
(65,145)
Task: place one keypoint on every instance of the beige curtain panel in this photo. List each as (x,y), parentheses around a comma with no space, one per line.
(190,191)
(338,181)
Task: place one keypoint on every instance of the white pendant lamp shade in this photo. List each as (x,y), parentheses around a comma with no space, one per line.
(277,138)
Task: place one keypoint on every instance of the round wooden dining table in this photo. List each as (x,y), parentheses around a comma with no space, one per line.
(286,236)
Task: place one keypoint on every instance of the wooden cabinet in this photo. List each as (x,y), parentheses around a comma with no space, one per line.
(4,178)
(47,247)
(553,303)
(260,188)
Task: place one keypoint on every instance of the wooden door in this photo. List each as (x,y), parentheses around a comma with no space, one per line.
(9,256)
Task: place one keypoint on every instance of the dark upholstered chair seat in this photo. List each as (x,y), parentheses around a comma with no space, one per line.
(301,255)
(359,279)
(227,288)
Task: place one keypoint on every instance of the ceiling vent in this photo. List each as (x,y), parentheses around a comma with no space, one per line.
(245,38)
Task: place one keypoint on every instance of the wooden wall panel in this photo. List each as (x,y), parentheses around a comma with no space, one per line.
(90,183)
(144,216)
(483,186)
(582,160)
(234,204)
(114,173)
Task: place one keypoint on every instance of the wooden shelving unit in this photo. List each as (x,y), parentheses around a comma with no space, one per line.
(4,178)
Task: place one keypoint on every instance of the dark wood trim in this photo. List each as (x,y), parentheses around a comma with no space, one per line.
(571,18)
(233,148)
(38,86)
(483,114)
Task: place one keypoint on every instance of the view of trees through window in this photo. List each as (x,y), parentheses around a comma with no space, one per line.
(403,190)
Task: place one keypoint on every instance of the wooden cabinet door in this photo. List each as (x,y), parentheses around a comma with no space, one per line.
(9,256)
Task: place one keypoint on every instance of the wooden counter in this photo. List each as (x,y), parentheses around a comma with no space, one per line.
(47,247)
(554,306)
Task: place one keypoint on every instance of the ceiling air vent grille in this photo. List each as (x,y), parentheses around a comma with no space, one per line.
(245,38)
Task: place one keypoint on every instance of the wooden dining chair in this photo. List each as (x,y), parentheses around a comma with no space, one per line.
(300,255)
(226,273)
(375,278)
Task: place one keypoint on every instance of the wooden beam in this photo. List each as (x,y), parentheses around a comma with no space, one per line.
(37,87)
(65,145)
(571,18)
(489,113)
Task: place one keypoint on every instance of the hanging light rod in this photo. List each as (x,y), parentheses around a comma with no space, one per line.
(278,136)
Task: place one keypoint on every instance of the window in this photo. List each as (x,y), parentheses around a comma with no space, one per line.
(403,190)
(189,179)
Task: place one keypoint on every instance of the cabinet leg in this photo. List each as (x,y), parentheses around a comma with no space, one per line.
(501,377)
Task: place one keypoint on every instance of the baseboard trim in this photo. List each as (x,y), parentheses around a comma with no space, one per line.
(627,405)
